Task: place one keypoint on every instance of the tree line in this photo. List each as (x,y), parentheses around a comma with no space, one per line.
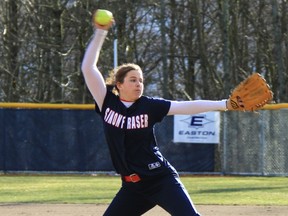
(188,49)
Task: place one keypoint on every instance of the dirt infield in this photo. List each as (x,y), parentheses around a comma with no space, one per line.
(97,210)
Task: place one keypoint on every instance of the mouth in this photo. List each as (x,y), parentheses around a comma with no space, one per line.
(138,93)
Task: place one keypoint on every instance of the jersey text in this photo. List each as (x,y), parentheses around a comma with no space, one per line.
(118,120)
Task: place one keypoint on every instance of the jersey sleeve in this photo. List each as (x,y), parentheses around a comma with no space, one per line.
(97,108)
(159,108)
(107,97)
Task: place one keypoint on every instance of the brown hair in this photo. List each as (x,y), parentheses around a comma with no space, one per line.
(119,74)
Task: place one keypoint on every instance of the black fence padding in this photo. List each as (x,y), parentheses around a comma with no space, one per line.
(73,140)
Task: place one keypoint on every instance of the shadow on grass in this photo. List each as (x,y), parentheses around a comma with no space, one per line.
(225,190)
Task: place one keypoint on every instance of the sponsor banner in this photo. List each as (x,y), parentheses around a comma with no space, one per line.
(200,128)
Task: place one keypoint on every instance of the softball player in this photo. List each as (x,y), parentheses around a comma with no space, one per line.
(148,179)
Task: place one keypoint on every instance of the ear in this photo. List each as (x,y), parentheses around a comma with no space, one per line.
(119,85)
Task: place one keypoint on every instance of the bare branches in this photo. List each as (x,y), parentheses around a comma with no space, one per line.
(209,46)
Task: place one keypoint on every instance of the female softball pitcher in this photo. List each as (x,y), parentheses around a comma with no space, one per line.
(148,179)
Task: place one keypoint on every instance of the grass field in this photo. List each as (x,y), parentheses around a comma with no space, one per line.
(100,190)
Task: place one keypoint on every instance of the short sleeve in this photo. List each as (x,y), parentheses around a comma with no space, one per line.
(159,108)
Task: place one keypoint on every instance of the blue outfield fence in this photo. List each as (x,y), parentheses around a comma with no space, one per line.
(69,138)
(52,140)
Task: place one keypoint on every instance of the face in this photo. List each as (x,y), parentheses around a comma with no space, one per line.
(132,87)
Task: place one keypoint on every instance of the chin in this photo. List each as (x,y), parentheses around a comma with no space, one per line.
(137,97)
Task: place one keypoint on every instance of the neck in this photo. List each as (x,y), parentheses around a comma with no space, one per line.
(124,100)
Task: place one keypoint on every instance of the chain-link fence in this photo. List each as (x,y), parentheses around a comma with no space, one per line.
(254,143)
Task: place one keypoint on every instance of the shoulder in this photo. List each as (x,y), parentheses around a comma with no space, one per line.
(110,99)
(157,106)
(155,100)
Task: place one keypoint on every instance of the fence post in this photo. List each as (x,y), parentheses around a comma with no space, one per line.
(262,143)
(224,156)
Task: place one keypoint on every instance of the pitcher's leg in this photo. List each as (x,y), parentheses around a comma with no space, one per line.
(128,203)
(175,199)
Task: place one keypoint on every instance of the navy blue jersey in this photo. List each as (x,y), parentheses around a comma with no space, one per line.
(130,135)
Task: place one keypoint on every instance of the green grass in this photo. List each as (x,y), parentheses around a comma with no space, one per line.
(100,190)
(238,190)
(57,189)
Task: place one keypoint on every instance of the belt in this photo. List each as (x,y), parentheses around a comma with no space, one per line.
(132,178)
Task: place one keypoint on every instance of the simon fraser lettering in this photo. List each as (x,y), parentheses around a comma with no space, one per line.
(132,122)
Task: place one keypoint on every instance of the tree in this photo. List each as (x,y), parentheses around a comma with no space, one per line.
(187,49)
(277,50)
(10,65)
